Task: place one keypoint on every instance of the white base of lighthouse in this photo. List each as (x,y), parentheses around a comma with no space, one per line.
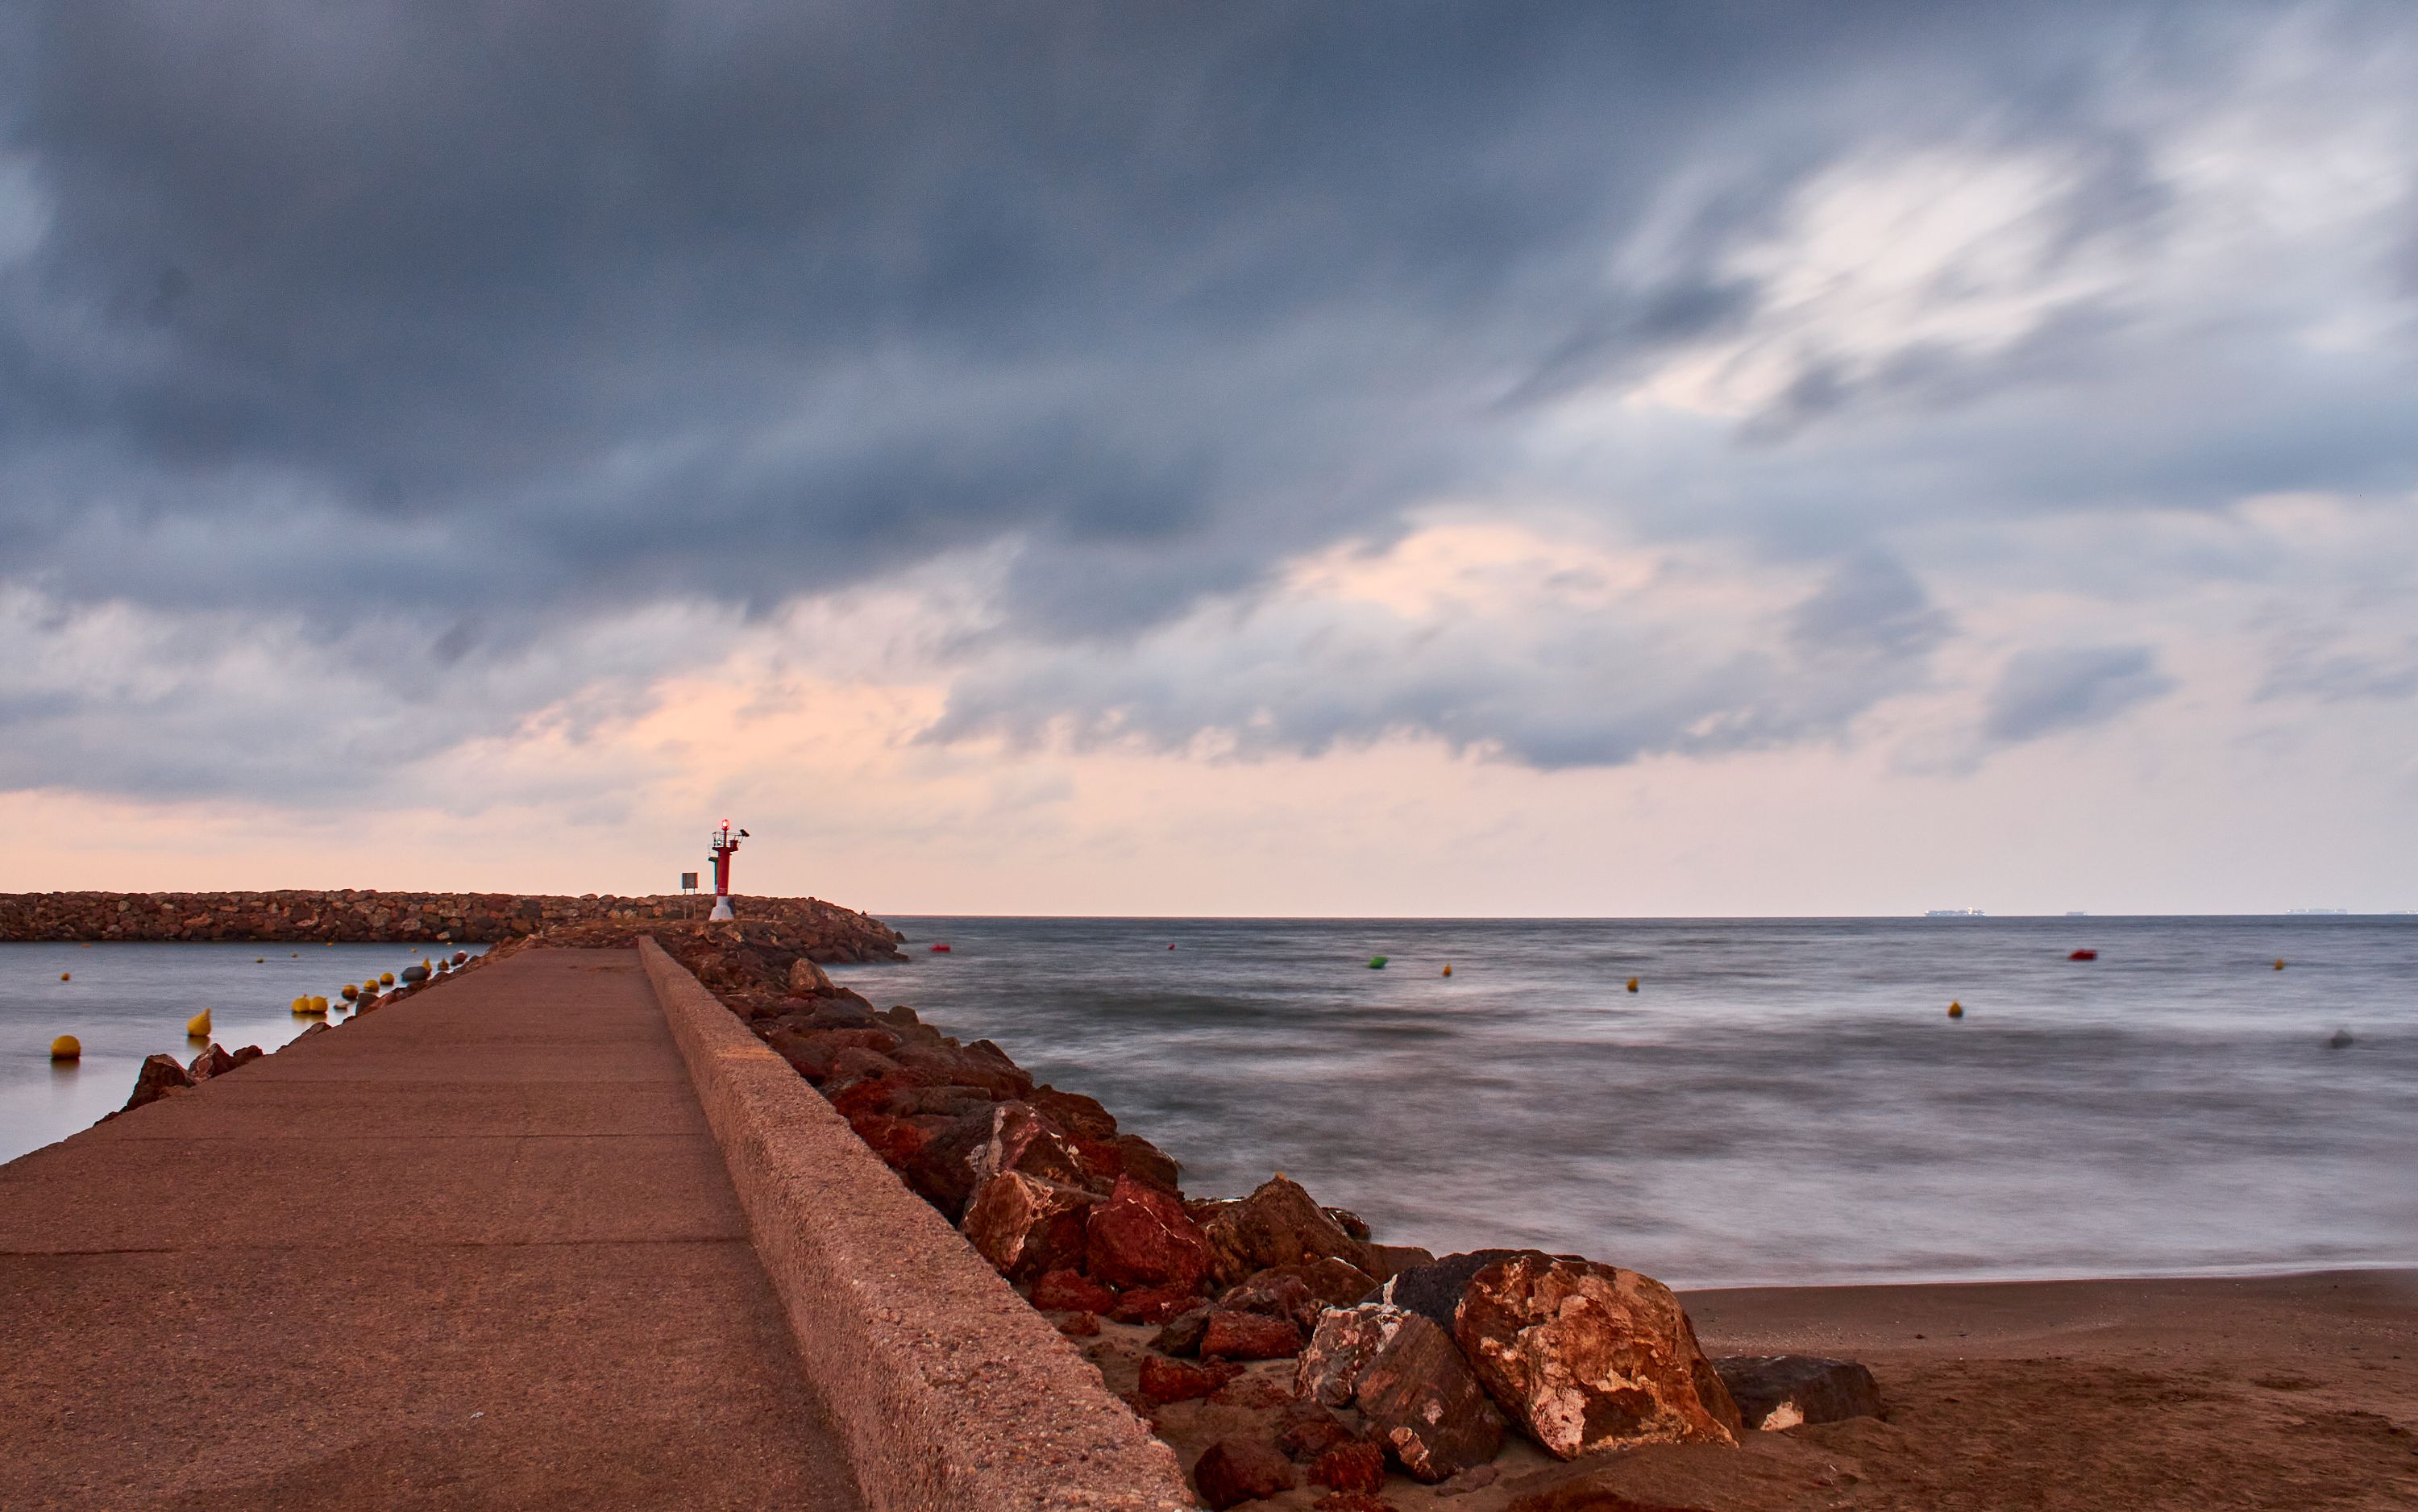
(722,909)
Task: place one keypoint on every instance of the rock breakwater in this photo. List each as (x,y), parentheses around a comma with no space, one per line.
(823,931)
(1269,1338)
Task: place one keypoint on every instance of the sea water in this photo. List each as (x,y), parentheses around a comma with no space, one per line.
(126,1001)
(1780,1101)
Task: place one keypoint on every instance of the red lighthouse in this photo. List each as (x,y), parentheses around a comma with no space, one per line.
(719,846)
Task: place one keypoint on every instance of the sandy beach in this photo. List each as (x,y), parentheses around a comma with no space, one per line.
(2282,1392)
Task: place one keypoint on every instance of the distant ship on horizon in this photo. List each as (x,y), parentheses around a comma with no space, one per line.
(1954,913)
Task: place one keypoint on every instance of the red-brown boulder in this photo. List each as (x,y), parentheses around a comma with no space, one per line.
(980,1064)
(1340,1350)
(1023,1141)
(1248,1335)
(1183,1332)
(1025,1226)
(162,1076)
(1078,1324)
(1145,1161)
(1277,1225)
(1234,1470)
(1141,1237)
(1074,1112)
(1586,1356)
(1165,1380)
(943,1172)
(210,1063)
(1310,1430)
(812,1054)
(1071,1291)
(1330,1282)
(897,1140)
(1419,1398)
(1411,1384)
(1350,1467)
(1275,1294)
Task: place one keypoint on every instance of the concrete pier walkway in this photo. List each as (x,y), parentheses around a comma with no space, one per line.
(477,1249)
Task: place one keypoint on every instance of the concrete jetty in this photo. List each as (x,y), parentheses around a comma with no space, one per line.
(478,1249)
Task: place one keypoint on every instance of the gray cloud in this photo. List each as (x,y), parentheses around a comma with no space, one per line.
(1547,680)
(2045,692)
(480,325)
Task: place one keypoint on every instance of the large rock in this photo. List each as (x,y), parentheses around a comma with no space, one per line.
(1250,1336)
(1277,1225)
(161,1077)
(1350,1467)
(1338,1352)
(1310,1430)
(1023,1141)
(1138,1157)
(942,1172)
(1025,1226)
(1234,1470)
(1433,1290)
(1586,1356)
(813,1053)
(1074,1112)
(1785,1391)
(1414,1392)
(806,980)
(1421,1401)
(1163,1381)
(1071,1291)
(1301,1291)
(1141,1237)
(980,1064)
(1275,1293)
(210,1063)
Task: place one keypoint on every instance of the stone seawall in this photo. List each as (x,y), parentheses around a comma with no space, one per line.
(823,931)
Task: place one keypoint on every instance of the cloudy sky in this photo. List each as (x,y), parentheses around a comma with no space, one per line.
(1233,458)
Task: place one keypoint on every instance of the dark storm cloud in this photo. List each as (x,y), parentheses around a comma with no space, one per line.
(509,316)
(2045,692)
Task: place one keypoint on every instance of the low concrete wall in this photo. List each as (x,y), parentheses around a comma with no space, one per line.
(950,1393)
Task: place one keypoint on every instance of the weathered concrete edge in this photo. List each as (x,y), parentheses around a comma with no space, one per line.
(947,1390)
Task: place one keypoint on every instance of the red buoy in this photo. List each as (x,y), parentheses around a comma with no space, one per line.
(2084,956)
(940,949)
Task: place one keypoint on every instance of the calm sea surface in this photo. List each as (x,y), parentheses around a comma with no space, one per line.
(127,1002)
(1780,1101)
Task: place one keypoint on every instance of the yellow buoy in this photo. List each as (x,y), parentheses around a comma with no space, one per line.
(63,976)
(1448,968)
(198,1027)
(2280,962)
(66,1047)
(260,960)
(301,1005)
(318,1005)
(1956,1010)
(385,979)
(1633,984)
(350,992)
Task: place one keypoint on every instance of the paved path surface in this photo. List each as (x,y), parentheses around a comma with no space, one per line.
(476,1249)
